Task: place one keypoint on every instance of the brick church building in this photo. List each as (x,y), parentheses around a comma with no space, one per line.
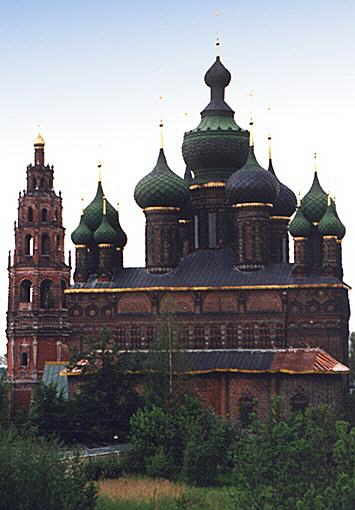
(250,325)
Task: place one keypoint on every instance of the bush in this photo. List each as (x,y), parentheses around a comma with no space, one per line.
(96,468)
(34,476)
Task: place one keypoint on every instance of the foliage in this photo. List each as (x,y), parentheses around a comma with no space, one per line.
(33,476)
(104,467)
(178,440)
(305,462)
(4,403)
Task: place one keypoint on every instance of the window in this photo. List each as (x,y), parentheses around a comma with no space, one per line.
(46,295)
(34,182)
(26,291)
(29,245)
(231,336)
(246,409)
(42,184)
(44,215)
(150,335)
(212,230)
(135,337)
(45,244)
(24,359)
(196,233)
(299,402)
(215,337)
(30,214)
(121,338)
(199,333)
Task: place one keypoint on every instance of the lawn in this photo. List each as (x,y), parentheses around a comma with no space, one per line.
(129,493)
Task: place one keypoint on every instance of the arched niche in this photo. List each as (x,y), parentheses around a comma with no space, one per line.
(26,291)
(263,301)
(134,303)
(179,302)
(46,294)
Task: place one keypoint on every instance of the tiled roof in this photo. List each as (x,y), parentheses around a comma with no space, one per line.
(54,375)
(288,361)
(207,268)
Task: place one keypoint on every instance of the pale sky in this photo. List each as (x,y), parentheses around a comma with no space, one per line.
(90,74)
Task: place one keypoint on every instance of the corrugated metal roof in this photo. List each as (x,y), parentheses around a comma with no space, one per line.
(54,375)
(207,268)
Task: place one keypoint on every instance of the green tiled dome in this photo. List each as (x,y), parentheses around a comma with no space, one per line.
(314,203)
(161,187)
(93,212)
(252,183)
(218,146)
(105,233)
(300,226)
(330,225)
(82,234)
(342,230)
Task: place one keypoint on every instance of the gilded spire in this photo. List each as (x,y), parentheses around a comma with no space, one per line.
(104,205)
(99,171)
(251,130)
(161,127)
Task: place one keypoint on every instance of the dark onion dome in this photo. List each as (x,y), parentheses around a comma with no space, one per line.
(82,234)
(252,183)
(330,225)
(161,187)
(300,226)
(105,233)
(342,230)
(286,201)
(93,212)
(218,146)
(314,203)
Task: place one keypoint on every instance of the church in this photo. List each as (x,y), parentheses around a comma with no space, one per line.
(248,324)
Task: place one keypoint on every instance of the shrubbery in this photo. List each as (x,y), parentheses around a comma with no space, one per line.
(34,476)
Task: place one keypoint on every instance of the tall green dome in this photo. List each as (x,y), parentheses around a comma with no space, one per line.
(300,226)
(218,146)
(82,234)
(342,230)
(161,187)
(105,233)
(330,225)
(314,203)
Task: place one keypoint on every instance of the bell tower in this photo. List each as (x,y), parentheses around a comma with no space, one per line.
(37,318)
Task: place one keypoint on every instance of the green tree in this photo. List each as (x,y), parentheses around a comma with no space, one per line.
(34,476)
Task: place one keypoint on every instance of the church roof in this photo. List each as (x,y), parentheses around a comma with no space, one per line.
(204,269)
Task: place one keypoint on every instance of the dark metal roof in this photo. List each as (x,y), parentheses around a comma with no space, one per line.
(207,268)
(54,375)
(289,361)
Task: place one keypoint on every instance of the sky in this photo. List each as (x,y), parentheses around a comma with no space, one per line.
(91,73)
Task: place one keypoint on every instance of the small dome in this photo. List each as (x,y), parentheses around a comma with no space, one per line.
(93,212)
(252,183)
(82,234)
(342,230)
(330,225)
(217,75)
(300,226)
(314,203)
(286,201)
(39,140)
(161,187)
(105,233)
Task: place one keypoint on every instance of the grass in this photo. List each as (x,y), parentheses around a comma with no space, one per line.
(129,493)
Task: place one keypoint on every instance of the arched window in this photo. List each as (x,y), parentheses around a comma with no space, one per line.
(45,244)
(24,359)
(46,295)
(34,182)
(41,184)
(29,245)
(30,214)
(299,402)
(26,291)
(247,407)
(56,215)
(63,286)
(44,215)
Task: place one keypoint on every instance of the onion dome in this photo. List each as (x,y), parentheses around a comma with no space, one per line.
(161,187)
(342,230)
(93,212)
(330,225)
(314,203)
(252,183)
(218,146)
(106,233)
(286,201)
(300,226)
(82,234)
